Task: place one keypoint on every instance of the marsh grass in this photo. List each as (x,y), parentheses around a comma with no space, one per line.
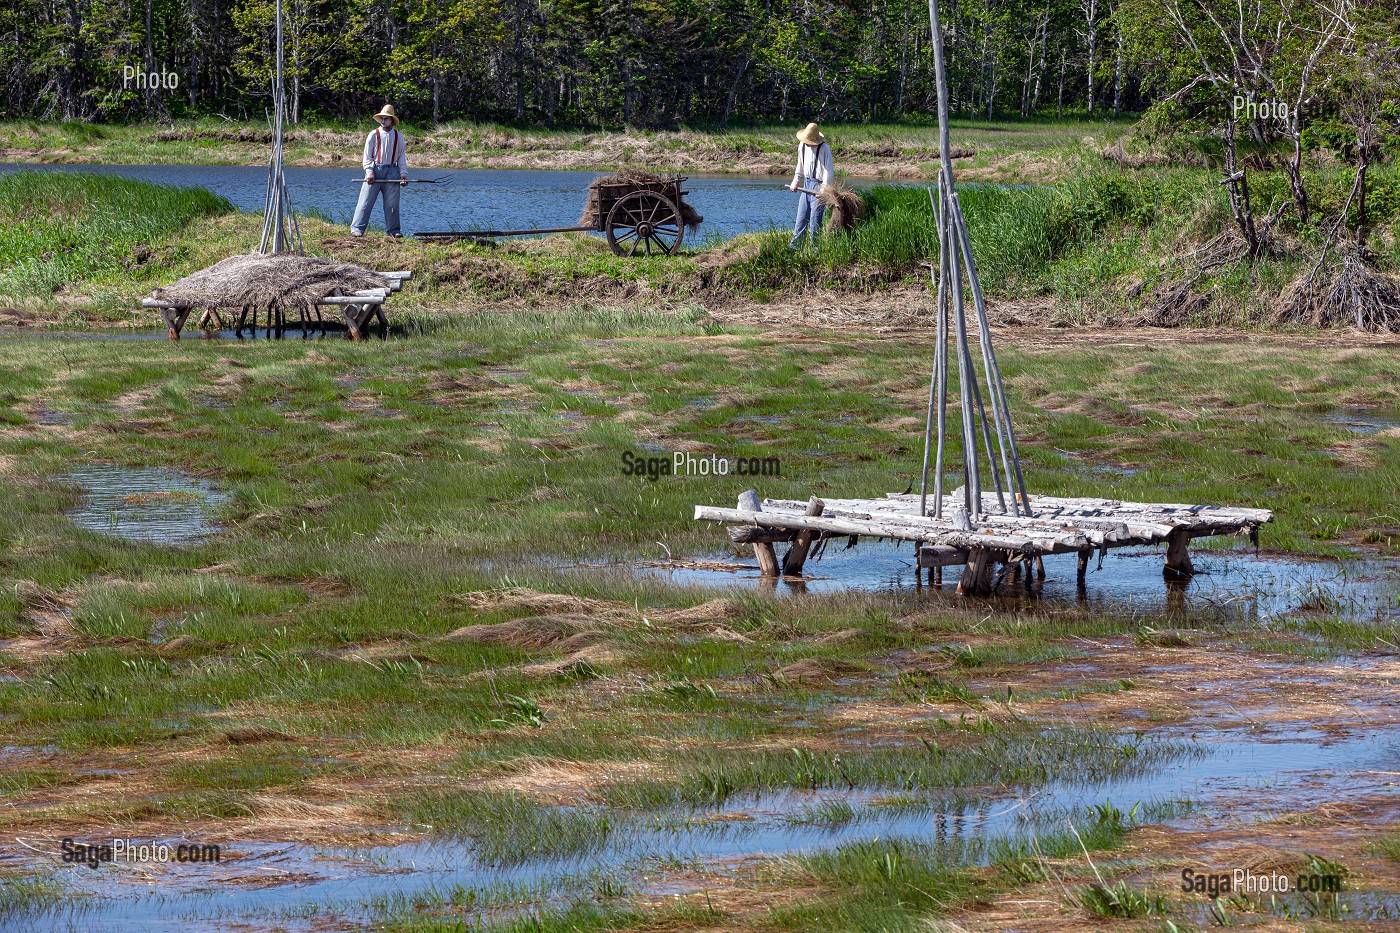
(61,228)
(316,619)
(507,829)
(898,884)
(22,895)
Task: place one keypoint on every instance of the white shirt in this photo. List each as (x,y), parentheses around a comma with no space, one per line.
(388,147)
(813,164)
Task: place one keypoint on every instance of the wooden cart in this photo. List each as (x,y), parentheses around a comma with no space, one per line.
(636,217)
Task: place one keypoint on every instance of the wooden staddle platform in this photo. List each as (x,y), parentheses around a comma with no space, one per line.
(1057,526)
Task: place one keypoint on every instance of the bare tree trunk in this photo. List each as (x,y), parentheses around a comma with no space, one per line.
(73,84)
(1361,168)
(1091,16)
(903,64)
(734,91)
(1031,76)
(1237,184)
(1295,175)
(1118,78)
(1040,68)
(150,63)
(1060,101)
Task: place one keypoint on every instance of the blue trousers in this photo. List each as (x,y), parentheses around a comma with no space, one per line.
(368,194)
(809,219)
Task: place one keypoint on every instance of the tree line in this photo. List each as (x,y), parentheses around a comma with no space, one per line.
(590,63)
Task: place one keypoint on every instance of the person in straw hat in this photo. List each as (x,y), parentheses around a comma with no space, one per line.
(814,171)
(384,163)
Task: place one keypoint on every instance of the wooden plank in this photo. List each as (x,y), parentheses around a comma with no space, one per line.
(938,555)
(976,577)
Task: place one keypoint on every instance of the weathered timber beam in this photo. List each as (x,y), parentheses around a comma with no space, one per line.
(938,555)
(911,529)
(751,534)
(1100,532)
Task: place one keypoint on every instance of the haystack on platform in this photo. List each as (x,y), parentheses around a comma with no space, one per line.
(275,284)
(1053,525)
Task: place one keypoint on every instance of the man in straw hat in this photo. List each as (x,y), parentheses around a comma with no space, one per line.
(384,163)
(814,171)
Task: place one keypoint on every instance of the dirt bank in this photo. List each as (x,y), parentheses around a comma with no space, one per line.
(450,147)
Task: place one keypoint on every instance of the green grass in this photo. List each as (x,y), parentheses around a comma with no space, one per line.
(1096,242)
(61,228)
(1119,901)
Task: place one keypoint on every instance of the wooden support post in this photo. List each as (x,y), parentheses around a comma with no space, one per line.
(767,559)
(1178,565)
(977,573)
(1083,565)
(1039,567)
(797,554)
(174,320)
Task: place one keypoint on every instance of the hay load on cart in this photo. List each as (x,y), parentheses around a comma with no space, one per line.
(640,213)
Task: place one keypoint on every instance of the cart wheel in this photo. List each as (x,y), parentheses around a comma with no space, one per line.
(644,221)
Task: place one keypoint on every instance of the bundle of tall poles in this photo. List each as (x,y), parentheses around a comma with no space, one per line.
(280,232)
(954,262)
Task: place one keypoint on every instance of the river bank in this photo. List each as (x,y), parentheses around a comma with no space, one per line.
(1010,153)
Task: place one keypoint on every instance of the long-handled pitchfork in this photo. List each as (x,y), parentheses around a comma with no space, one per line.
(441,180)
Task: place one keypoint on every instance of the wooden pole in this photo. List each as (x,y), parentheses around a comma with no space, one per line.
(767,558)
(797,554)
(1178,564)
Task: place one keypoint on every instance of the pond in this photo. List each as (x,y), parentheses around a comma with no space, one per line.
(481,199)
(149,505)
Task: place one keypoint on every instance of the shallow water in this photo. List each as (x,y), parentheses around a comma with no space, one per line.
(1236,582)
(146,504)
(287,885)
(1362,420)
(481,199)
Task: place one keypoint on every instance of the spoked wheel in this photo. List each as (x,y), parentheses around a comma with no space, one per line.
(645,222)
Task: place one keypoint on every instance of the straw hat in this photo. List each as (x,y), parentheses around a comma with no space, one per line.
(388,111)
(811,135)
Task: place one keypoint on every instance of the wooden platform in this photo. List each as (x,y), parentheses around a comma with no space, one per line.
(356,309)
(1055,526)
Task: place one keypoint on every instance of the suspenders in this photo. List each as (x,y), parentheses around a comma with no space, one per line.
(379,148)
(816,159)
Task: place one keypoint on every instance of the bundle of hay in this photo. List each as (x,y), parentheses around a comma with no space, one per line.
(843,205)
(637,180)
(1354,295)
(282,281)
